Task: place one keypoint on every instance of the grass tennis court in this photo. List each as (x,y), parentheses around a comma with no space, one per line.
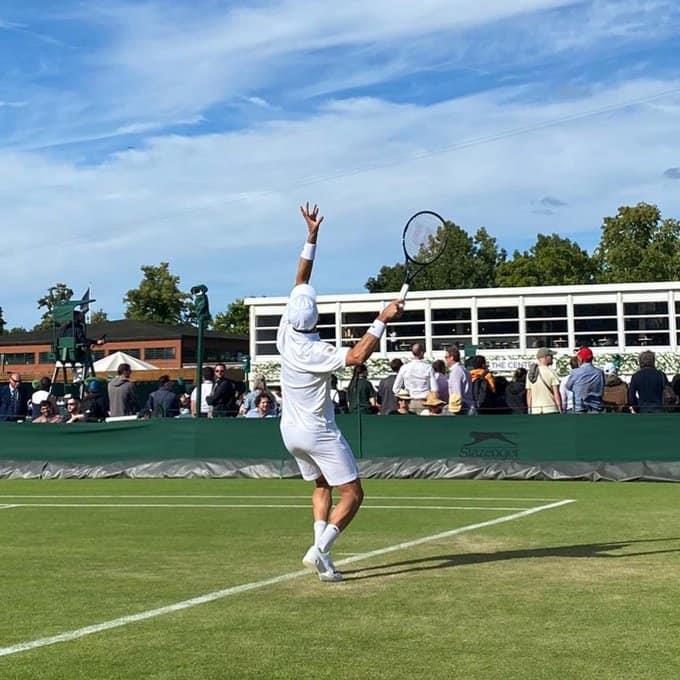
(588,589)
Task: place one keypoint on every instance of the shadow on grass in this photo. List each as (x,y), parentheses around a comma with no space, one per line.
(587,550)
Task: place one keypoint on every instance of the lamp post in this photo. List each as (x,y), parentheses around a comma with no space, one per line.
(202,309)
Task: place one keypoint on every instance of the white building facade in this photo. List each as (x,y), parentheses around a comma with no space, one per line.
(506,325)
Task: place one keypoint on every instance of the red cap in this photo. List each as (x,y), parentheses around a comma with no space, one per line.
(585,354)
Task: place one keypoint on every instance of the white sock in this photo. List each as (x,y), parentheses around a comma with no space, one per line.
(319,526)
(327,538)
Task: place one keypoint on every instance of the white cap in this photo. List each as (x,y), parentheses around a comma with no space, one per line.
(302,310)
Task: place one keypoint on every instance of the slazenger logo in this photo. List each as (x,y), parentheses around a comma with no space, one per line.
(490,445)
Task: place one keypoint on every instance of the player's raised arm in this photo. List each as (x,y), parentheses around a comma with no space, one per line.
(367,345)
(306,262)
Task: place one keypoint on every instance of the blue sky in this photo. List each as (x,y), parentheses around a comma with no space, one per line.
(137,132)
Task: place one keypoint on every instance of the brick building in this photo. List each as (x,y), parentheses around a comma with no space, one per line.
(170,348)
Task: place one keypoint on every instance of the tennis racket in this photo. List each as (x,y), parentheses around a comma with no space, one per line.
(421,245)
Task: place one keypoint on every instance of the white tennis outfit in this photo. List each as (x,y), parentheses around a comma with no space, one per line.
(308,417)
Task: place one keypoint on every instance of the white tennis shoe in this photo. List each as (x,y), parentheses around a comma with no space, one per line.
(322,564)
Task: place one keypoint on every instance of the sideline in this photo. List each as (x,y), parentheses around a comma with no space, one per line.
(251,505)
(227,496)
(235,590)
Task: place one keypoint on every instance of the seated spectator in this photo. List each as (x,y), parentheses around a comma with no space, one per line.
(566,395)
(439,368)
(162,402)
(646,390)
(587,384)
(259,387)
(262,407)
(95,406)
(483,385)
(433,405)
(208,376)
(41,394)
(543,385)
(403,403)
(516,392)
(615,395)
(360,392)
(73,411)
(47,413)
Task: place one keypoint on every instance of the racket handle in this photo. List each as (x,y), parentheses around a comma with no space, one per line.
(404,291)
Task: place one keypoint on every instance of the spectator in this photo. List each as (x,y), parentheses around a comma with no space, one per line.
(259,387)
(433,405)
(41,394)
(162,402)
(13,400)
(223,395)
(261,407)
(587,384)
(208,376)
(185,406)
(675,386)
(460,384)
(403,399)
(417,377)
(566,395)
(516,392)
(338,397)
(387,399)
(94,404)
(615,395)
(122,394)
(645,394)
(483,385)
(47,413)
(73,411)
(360,392)
(439,368)
(543,386)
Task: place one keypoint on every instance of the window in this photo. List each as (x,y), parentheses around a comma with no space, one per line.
(498,327)
(546,311)
(497,313)
(354,325)
(266,349)
(326,327)
(268,321)
(265,334)
(547,326)
(458,314)
(595,325)
(646,323)
(499,342)
(599,309)
(556,341)
(20,358)
(164,353)
(46,358)
(134,352)
(644,308)
(451,327)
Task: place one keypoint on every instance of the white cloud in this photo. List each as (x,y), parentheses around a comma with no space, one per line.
(222,208)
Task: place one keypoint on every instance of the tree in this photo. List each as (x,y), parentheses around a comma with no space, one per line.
(467,262)
(16,330)
(234,320)
(2,323)
(638,245)
(158,297)
(59,292)
(551,261)
(99,316)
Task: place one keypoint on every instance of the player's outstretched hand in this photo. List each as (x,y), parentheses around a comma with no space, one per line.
(311,218)
(392,312)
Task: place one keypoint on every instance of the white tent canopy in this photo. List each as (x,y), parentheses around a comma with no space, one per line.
(113,361)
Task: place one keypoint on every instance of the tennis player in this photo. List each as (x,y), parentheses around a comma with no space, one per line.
(308,417)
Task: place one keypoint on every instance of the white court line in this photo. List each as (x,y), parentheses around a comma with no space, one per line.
(235,590)
(226,496)
(6,507)
(252,505)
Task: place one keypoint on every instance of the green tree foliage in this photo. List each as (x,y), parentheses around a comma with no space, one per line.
(467,262)
(638,245)
(158,297)
(2,323)
(17,330)
(234,320)
(57,293)
(552,260)
(99,316)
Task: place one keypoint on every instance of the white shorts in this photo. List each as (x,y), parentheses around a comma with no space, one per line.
(324,453)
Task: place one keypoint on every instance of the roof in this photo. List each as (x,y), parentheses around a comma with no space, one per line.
(593,288)
(122,329)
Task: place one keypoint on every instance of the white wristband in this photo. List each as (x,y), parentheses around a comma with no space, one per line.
(308,251)
(377,328)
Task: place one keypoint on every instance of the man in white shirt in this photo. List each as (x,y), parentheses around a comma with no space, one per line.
(308,417)
(543,386)
(418,377)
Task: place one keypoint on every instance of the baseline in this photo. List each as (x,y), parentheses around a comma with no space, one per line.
(235,590)
(253,505)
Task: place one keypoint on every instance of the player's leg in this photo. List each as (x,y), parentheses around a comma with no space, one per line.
(322,500)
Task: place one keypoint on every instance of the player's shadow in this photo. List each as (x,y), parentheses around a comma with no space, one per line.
(601,550)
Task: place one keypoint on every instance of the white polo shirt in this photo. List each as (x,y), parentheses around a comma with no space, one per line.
(306,367)
(418,378)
